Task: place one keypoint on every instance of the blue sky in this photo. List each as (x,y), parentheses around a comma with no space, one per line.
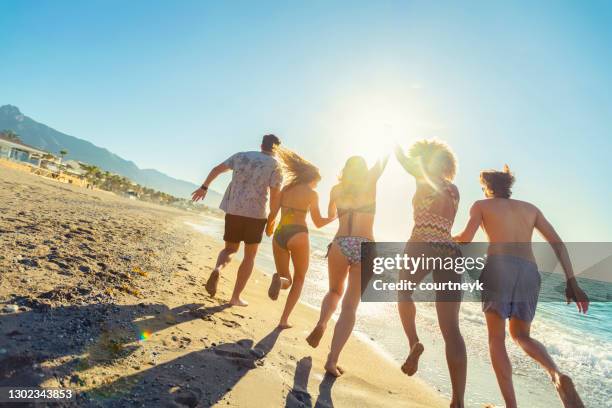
(179,86)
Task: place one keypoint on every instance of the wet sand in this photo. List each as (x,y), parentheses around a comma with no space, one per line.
(105,295)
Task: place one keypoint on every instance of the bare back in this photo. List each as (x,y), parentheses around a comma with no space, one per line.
(355,211)
(295,203)
(509,221)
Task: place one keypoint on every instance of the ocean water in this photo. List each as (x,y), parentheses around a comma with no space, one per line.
(580,345)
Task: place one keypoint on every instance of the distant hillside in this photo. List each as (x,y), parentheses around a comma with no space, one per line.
(51,140)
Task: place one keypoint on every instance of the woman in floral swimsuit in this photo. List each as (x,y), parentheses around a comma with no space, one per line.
(354,200)
(435,205)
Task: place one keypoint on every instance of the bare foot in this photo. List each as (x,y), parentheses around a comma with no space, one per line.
(333,369)
(411,365)
(275,286)
(567,392)
(212,282)
(315,336)
(284,325)
(238,302)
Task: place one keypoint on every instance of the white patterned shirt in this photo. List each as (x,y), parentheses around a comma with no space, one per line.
(253,174)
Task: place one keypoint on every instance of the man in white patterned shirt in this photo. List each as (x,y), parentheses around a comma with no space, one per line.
(244,203)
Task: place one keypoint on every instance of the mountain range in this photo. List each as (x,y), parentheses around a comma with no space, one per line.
(46,138)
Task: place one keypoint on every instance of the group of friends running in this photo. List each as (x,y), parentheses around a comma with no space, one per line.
(511,274)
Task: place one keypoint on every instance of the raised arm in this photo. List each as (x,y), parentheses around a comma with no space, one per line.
(200,193)
(315,212)
(572,290)
(377,170)
(410,165)
(467,235)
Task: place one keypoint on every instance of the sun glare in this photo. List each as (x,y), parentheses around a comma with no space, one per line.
(371,125)
(370,134)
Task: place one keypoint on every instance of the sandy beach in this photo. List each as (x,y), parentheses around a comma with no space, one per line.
(105,295)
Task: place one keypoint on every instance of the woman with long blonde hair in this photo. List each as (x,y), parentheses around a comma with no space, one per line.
(354,200)
(435,203)
(290,242)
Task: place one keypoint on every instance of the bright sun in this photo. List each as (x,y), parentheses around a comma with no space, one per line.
(371,125)
(371,134)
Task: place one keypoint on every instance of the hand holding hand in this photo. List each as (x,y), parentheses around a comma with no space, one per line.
(270,228)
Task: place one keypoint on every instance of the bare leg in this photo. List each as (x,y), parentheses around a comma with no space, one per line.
(520,332)
(338,269)
(299,246)
(224,258)
(496,326)
(244,273)
(456,355)
(407,312)
(282,278)
(346,321)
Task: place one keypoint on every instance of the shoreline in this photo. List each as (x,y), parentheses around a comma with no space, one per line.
(113,290)
(388,340)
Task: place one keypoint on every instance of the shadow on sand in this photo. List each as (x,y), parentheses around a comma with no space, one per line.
(299,397)
(79,337)
(200,378)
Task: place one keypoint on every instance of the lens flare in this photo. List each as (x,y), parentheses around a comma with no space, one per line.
(144,335)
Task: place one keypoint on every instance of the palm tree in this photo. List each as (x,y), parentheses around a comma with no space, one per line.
(63,153)
(93,174)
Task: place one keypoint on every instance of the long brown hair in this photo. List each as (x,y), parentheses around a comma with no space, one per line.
(296,169)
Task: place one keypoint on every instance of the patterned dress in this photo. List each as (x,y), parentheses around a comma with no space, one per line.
(431,227)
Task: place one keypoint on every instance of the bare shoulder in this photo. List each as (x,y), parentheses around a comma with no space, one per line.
(312,194)
(479,203)
(526,205)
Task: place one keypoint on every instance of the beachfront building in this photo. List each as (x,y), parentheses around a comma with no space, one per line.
(14,150)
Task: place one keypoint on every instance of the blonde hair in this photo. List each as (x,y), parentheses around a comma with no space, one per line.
(296,169)
(436,157)
(354,175)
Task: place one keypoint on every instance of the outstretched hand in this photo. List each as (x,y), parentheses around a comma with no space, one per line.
(573,293)
(198,195)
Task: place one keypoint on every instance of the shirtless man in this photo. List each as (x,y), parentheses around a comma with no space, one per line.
(509,226)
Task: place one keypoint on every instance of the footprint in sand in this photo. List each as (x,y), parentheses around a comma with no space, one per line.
(230,323)
(189,398)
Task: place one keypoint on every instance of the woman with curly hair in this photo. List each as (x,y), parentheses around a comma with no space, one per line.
(435,202)
(290,241)
(354,199)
